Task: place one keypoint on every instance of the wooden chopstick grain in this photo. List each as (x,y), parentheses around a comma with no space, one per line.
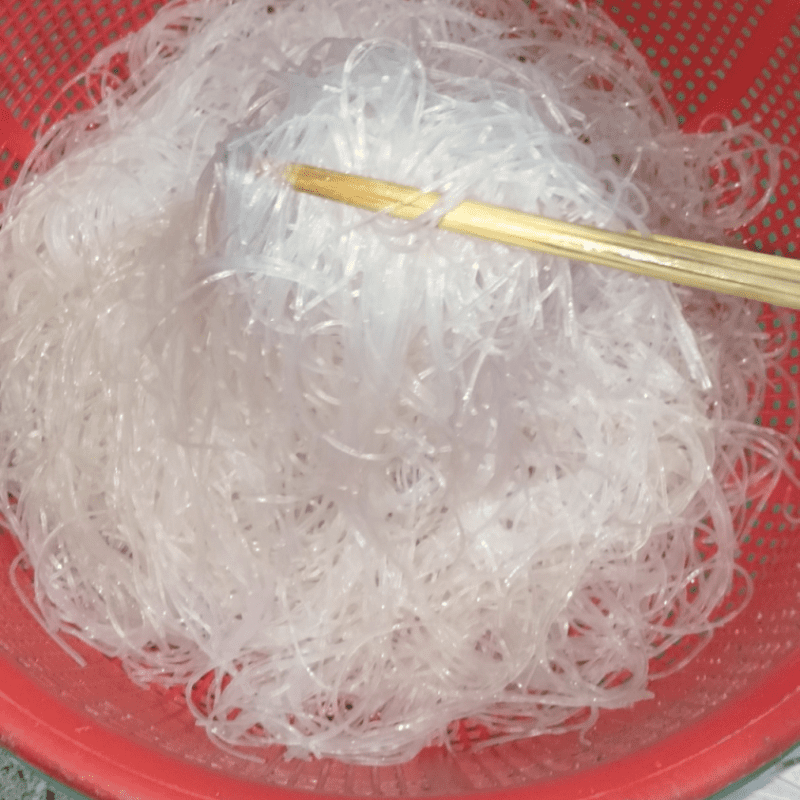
(758,276)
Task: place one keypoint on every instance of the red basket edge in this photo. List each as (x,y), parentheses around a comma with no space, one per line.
(695,764)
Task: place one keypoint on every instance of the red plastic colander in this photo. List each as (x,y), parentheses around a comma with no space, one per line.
(735,707)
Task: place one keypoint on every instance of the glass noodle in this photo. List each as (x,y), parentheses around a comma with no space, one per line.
(347,479)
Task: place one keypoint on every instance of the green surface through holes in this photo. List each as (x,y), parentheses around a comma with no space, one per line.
(18,781)
(758,785)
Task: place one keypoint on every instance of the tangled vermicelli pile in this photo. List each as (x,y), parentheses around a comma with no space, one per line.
(351,479)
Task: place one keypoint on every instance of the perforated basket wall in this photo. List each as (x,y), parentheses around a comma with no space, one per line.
(733,708)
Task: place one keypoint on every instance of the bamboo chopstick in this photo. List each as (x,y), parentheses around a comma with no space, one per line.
(758,276)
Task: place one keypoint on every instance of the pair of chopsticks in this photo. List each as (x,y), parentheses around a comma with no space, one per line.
(758,276)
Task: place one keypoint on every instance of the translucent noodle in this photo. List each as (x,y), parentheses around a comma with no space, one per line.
(350,480)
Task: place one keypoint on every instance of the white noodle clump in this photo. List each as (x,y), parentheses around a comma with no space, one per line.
(351,480)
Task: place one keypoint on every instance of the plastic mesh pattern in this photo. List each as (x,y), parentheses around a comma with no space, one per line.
(44,46)
(739,59)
